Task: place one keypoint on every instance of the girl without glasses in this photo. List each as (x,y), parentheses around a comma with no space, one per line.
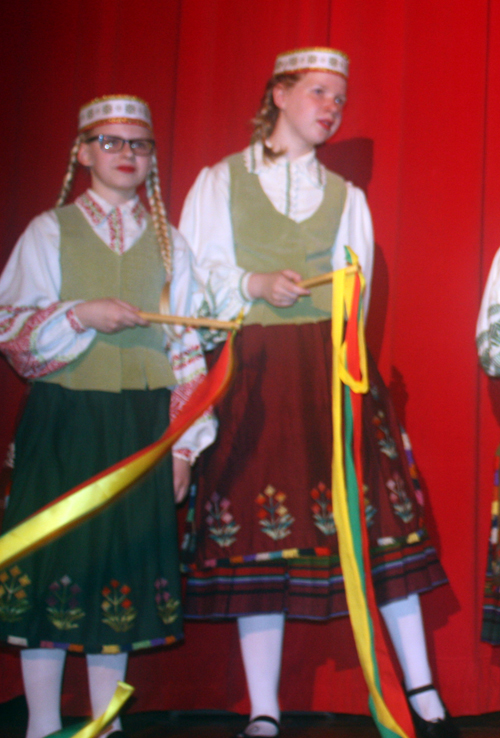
(259,222)
(100,378)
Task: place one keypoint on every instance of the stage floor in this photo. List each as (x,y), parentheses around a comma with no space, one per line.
(224,725)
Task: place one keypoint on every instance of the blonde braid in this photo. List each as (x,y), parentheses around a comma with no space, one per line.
(70,172)
(162,230)
(267,115)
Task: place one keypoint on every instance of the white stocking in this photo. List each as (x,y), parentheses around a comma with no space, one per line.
(261,641)
(403,619)
(42,670)
(104,671)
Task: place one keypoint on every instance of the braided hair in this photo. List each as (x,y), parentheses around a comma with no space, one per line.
(70,172)
(162,229)
(264,121)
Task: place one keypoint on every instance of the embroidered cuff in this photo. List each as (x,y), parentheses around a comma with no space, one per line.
(74,322)
(184,453)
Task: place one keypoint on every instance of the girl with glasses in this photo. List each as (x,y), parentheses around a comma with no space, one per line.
(100,379)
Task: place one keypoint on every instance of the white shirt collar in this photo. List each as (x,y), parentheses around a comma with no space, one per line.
(118,227)
(98,209)
(307,164)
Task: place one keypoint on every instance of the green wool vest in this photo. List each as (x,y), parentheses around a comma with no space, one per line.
(267,241)
(134,358)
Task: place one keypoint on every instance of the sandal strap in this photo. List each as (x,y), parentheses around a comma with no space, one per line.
(265,719)
(419,690)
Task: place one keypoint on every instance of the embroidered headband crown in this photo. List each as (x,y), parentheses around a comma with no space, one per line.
(318,59)
(114,109)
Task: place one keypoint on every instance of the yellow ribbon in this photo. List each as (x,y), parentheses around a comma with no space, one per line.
(343,291)
(33,532)
(91,730)
(344,280)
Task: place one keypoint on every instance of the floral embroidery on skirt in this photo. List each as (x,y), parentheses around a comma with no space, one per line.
(275,447)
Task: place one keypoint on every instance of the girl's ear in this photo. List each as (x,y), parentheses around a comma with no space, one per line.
(84,155)
(279,95)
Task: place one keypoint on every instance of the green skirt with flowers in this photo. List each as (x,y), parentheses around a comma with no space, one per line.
(112,584)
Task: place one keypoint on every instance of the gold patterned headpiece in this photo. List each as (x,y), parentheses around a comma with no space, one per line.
(114,109)
(318,59)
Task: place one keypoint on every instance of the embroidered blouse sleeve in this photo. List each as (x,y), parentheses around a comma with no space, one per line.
(356,231)
(186,355)
(206,224)
(488,322)
(38,333)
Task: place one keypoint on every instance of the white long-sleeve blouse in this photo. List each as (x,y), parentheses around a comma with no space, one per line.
(488,322)
(40,334)
(296,190)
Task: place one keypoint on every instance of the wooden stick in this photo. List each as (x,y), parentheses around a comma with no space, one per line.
(232,325)
(323,278)
(221,325)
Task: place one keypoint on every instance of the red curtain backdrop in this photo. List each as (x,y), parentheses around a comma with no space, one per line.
(421,137)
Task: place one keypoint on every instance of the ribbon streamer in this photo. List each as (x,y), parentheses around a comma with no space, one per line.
(91,730)
(87,499)
(349,380)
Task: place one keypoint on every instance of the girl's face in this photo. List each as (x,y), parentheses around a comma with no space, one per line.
(116,176)
(310,111)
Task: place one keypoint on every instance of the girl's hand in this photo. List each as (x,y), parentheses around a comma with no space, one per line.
(182,476)
(277,288)
(109,315)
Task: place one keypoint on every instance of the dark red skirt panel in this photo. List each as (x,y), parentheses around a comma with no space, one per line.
(264,494)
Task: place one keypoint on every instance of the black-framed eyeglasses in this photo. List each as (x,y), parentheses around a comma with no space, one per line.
(114,144)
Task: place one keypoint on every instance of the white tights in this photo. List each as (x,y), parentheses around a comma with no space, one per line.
(104,671)
(42,670)
(405,624)
(261,639)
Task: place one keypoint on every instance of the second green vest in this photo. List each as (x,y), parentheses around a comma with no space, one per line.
(267,241)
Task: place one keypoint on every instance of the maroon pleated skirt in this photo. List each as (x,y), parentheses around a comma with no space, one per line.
(262,531)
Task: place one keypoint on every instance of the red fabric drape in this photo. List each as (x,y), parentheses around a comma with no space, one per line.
(420,136)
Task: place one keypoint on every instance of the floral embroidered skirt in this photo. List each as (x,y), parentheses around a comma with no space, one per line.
(112,584)
(491,601)
(263,534)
